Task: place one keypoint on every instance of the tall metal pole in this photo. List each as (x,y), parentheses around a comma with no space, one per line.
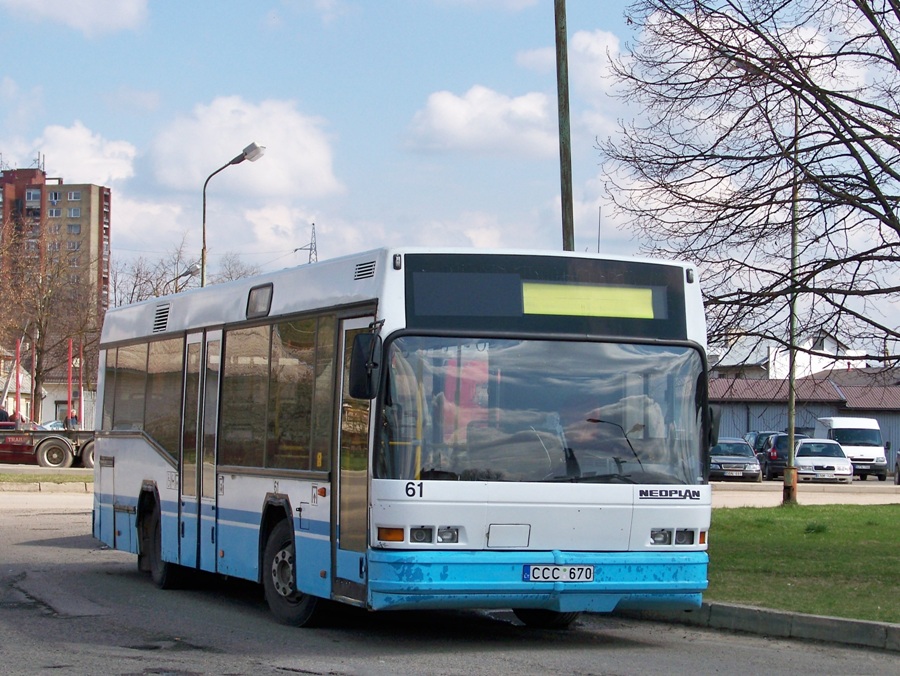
(789,492)
(565,136)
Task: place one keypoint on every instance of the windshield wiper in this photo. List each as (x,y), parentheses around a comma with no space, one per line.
(637,427)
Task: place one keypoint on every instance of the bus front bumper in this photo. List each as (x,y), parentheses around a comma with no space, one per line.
(476,579)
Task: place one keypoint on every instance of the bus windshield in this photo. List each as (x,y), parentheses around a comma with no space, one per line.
(475,409)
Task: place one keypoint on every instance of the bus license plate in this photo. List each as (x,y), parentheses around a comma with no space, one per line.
(558,573)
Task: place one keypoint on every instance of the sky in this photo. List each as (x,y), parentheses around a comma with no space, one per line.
(385,122)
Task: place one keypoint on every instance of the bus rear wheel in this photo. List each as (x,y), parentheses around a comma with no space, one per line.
(279,580)
(165,575)
(55,454)
(539,618)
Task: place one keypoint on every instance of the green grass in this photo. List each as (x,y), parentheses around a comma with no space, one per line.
(61,478)
(838,560)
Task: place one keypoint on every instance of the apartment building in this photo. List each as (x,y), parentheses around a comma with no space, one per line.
(70,216)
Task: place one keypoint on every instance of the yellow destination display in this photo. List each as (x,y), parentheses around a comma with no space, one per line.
(582,300)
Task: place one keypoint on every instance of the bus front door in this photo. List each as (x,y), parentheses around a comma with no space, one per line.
(350,534)
(198,451)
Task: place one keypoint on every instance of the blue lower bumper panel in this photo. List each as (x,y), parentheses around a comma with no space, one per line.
(466,579)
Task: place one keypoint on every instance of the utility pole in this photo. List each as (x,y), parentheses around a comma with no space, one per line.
(565,135)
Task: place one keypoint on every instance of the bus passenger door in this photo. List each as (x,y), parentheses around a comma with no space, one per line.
(189,513)
(350,536)
(198,448)
(209,420)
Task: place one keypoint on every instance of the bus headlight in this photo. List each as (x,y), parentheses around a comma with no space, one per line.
(684,537)
(421,535)
(660,536)
(448,535)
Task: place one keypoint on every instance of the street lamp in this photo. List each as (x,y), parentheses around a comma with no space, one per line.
(192,271)
(252,152)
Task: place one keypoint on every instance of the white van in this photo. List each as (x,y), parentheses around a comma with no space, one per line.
(862,443)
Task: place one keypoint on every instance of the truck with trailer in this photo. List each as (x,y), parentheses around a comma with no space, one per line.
(26,442)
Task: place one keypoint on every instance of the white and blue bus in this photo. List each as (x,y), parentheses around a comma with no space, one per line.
(417,429)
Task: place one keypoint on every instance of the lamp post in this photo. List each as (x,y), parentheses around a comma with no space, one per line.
(252,152)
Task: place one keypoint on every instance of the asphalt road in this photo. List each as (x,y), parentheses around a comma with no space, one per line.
(71,606)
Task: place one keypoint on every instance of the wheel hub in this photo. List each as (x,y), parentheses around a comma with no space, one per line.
(283,572)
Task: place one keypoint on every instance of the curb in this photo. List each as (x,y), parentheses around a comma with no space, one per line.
(48,487)
(780,624)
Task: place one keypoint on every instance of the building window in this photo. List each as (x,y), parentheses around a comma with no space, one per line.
(54,212)
(74,212)
(74,228)
(74,261)
(53,246)
(73,246)
(31,245)
(53,196)
(74,195)
(32,195)
(54,228)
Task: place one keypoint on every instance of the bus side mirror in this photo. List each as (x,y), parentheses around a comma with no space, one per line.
(365,365)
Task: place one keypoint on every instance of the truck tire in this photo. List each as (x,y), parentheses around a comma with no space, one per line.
(55,453)
(87,455)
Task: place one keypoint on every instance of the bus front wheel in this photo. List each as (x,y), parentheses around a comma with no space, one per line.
(538,618)
(279,580)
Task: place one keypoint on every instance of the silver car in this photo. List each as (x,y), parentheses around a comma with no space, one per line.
(822,460)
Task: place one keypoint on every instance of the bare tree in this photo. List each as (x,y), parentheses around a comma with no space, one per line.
(48,302)
(762,118)
(175,271)
(231,267)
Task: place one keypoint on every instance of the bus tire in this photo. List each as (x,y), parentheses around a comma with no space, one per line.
(538,618)
(87,455)
(279,580)
(165,575)
(55,454)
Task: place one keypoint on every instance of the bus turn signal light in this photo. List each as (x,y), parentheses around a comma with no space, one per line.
(390,534)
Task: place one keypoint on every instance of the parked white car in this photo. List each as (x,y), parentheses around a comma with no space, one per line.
(822,460)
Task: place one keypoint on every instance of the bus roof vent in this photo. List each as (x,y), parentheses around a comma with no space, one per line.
(364,270)
(161,318)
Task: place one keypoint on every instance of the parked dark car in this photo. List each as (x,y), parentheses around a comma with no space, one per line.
(773,455)
(758,439)
(733,459)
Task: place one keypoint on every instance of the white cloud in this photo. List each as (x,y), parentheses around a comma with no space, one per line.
(20,107)
(589,61)
(130,99)
(78,155)
(148,228)
(485,121)
(297,162)
(91,17)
